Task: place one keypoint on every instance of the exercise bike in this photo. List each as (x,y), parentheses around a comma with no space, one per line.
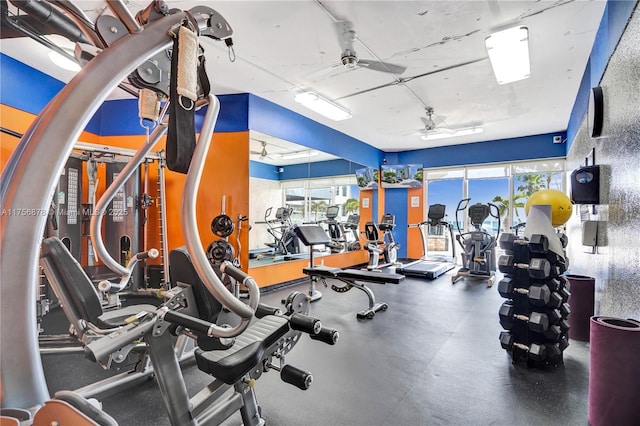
(478,245)
(351,232)
(385,245)
(335,230)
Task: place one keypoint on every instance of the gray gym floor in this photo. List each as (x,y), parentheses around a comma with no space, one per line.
(433,358)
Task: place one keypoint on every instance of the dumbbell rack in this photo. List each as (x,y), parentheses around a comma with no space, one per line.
(533,292)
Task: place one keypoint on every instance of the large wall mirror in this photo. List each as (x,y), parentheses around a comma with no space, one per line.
(292,185)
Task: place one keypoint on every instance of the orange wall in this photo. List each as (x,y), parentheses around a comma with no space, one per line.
(381,207)
(226,172)
(19,121)
(414,215)
(366,214)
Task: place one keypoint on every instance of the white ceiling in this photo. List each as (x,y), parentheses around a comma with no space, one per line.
(284,47)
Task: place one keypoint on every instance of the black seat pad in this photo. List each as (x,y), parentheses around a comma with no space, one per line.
(311,235)
(232,364)
(321,271)
(370,276)
(79,289)
(354,275)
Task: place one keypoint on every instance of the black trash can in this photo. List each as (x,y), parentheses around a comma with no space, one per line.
(582,301)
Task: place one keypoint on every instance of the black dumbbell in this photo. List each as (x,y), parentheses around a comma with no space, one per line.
(534,350)
(538,268)
(554,350)
(563,240)
(557,283)
(537,321)
(539,295)
(555,332)
(561,286)
(506,240)
(539,243)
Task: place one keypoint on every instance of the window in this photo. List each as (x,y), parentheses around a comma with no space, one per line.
(447,192)
(507,185)
(310,198)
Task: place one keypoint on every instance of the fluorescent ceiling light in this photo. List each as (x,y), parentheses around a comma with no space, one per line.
(63,62)
(509,54)
(299,154)
(456,132)
(323,106)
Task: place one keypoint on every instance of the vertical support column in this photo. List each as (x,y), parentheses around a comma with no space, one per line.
(396,204)
(415,214)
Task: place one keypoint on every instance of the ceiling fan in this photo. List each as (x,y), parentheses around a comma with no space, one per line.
(349,58)
(432,123)
(262,153)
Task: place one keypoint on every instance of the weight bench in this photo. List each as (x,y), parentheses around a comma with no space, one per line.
(352,278)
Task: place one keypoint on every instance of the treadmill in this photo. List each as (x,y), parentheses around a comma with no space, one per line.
(425,267)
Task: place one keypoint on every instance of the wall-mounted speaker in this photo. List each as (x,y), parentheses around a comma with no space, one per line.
(585,185)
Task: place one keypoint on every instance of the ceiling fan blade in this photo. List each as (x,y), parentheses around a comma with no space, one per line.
(415,132)
(444,130)
(346,34)
(437,119)
(428,123)
(382,66)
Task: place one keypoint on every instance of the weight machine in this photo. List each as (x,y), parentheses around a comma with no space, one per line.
(28,184)
(478,245)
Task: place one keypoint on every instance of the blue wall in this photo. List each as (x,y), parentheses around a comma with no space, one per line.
(274,120)
(17,89)
(263,171)
(614,21)
(525,148)
(319,169)
(120,117)
(395,202)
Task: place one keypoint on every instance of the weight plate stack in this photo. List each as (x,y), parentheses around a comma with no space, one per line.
(534,316)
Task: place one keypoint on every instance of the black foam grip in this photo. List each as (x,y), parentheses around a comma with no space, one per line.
(263,310)
(143,255)
(305,323)
(235,273)
(296,377)
(187,321)
(327,335)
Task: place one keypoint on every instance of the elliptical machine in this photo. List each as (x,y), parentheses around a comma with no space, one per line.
(389,248)
(335,230)
(478,245)
(284,243)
